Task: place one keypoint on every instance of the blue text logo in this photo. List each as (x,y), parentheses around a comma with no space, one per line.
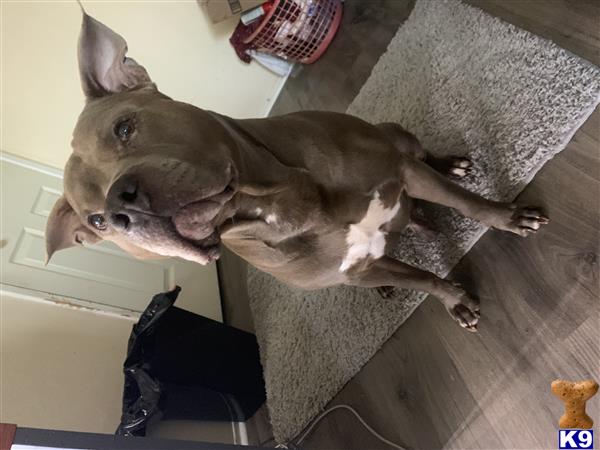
(575,439)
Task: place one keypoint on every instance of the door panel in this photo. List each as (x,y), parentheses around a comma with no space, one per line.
(101,274)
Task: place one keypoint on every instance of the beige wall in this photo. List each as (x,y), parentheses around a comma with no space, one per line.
(186,55)
(60,368)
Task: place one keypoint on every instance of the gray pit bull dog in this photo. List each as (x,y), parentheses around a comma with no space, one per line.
(311,198)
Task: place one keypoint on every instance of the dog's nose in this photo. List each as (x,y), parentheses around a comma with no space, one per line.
(126,193)
(120,221)
(125,196)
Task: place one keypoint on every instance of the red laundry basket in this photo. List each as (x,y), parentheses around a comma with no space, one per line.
(297,30)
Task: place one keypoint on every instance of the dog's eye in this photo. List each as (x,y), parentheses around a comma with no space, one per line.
(124,129)
(97,221)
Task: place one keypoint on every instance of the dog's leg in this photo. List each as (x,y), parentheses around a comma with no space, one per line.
(387,271)
(422,227)
(255,229)
(422,182)
(407,144)
(404,141)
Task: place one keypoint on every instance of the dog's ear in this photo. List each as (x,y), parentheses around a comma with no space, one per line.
(103,66)
(64,229)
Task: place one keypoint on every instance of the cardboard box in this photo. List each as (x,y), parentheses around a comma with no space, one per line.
(220,10)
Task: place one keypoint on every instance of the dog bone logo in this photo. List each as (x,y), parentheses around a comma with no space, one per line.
(574,395)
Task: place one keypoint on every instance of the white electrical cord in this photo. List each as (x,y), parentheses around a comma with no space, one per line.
(323,414)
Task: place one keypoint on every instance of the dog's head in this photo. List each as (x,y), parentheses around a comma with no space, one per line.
(153,175)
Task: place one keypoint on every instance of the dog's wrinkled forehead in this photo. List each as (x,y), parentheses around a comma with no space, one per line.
(94,129)
(85,186)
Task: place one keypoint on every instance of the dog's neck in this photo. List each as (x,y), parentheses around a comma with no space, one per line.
(259,171)
(260,174)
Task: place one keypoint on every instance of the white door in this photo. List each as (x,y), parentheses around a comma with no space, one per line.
(102,275)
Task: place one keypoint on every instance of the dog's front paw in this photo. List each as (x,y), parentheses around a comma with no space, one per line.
(521,220)
(462,307)
(466,312)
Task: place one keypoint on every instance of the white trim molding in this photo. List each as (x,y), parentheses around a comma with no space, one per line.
(66,302)
(280,85)
(29,164)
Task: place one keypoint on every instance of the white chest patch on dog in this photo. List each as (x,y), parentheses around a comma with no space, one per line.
(366,237)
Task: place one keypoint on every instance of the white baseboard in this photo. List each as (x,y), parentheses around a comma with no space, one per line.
(279,87)
(66,302)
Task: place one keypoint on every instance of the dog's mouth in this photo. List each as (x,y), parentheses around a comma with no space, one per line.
(198,222)
(190,231)
(204,251)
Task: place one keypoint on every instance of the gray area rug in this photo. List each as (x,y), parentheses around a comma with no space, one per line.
(463,82)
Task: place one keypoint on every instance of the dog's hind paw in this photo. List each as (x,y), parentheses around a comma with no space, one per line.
(459,167)
(451,166)
(387,291)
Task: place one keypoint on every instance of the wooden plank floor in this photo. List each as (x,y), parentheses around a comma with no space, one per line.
(433,385)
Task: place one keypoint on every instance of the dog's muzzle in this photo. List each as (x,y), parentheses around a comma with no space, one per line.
(188,232)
